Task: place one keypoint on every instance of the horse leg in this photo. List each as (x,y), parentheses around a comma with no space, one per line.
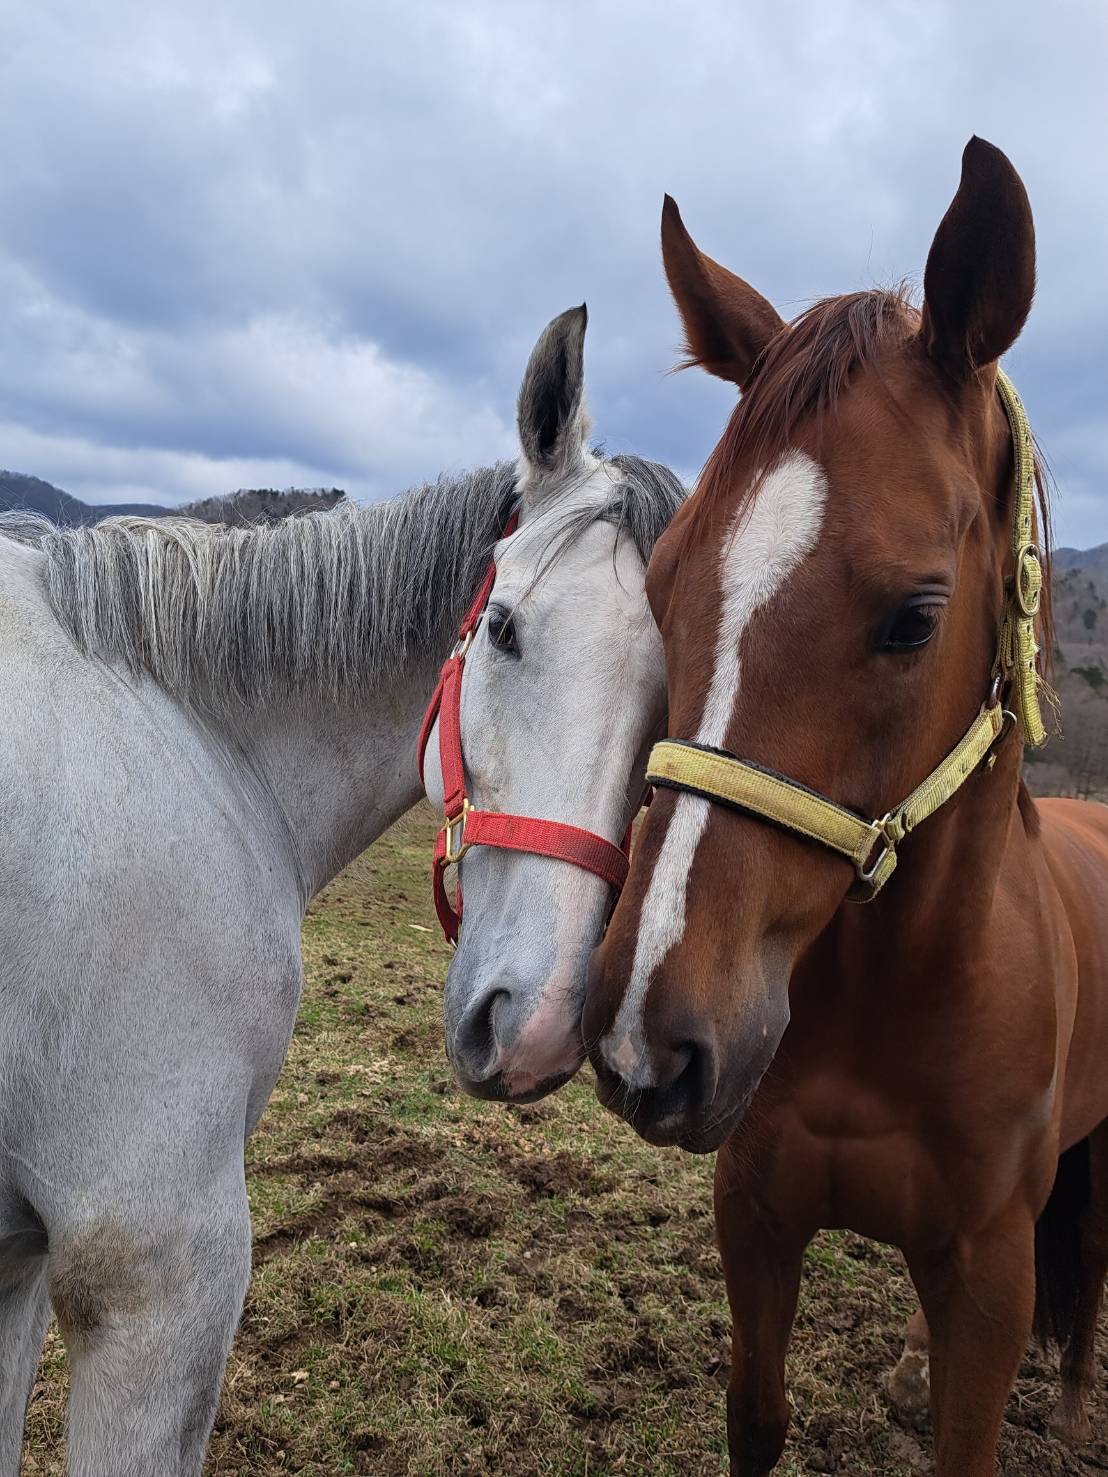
(762,1272)
(978,1298)
(148,1317)
(1070,1420)
(24,1313)
(910,1381)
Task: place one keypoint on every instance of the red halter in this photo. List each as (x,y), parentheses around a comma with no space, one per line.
(464,826)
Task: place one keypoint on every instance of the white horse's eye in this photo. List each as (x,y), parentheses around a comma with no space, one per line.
(502,630)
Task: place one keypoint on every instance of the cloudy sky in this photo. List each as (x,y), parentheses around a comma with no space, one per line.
(286,243)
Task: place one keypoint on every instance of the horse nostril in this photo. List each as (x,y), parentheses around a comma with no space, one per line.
(476,1051)
(686,1077)
(695,1081)
(666,1063)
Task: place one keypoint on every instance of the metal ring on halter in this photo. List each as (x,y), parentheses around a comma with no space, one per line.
(882,845)
(455,850)
(1009,721)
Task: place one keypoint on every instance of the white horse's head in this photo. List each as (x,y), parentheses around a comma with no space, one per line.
(563,693)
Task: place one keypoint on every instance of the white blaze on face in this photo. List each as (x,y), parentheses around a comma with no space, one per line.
(762,547)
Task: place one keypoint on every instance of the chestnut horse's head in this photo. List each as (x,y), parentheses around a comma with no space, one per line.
(829,601)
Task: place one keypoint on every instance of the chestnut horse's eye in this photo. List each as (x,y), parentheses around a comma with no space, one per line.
(913,625)
(502,630)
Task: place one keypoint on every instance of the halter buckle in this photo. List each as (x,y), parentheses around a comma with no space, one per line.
(1029,580)
(866,885)
(463,643)
(454,830)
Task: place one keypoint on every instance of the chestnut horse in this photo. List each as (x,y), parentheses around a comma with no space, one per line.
(831,602)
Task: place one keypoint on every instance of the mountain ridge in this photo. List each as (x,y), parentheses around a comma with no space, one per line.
(1094,561)
(21,492)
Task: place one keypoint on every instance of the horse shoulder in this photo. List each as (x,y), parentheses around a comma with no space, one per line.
(149,913)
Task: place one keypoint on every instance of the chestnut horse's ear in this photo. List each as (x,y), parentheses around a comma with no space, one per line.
(727,323)
(980,275)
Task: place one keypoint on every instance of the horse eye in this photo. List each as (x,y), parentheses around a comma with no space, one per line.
(502,630)
(913,624)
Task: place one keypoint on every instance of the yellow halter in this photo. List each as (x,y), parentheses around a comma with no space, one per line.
(871,845)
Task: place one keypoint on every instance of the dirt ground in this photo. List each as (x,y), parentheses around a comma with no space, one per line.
(448,1287)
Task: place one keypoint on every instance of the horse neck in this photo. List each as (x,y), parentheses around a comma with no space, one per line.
(330,776)
(930,924)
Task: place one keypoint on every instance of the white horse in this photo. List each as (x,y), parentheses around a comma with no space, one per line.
(201,726)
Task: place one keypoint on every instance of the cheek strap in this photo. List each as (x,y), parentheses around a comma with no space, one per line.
(464,825)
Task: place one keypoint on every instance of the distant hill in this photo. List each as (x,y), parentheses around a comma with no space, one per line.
(1075,761)
(249,505)
(262,504)
(1093,561)
(33,495)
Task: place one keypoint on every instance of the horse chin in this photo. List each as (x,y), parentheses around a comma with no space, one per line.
(523,1087)
(515,1087)
(712,1136)
(704,1133)
(665,1135)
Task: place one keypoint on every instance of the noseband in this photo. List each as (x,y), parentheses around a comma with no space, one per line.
(871,845)
(464,825)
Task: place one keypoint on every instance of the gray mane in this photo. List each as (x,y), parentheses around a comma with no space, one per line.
(644,498)
(329,603)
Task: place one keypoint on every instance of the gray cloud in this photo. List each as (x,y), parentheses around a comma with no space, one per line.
(267,242)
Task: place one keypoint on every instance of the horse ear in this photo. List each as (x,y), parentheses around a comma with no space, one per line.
(980,275)
(551,416)
(727,323)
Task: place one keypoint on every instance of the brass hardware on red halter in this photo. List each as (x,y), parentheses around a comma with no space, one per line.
(464,826)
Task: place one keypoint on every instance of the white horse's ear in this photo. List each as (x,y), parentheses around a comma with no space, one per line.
(551,415)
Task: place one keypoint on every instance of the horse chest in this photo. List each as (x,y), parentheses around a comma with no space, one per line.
(859,1162)
(841,1148)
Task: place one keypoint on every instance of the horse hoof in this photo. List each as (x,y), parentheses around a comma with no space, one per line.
(910,1385)
(1070,1423)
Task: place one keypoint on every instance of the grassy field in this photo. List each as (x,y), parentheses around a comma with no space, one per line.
(448,1287)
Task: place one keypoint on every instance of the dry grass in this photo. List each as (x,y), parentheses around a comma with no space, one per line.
(448,1287)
